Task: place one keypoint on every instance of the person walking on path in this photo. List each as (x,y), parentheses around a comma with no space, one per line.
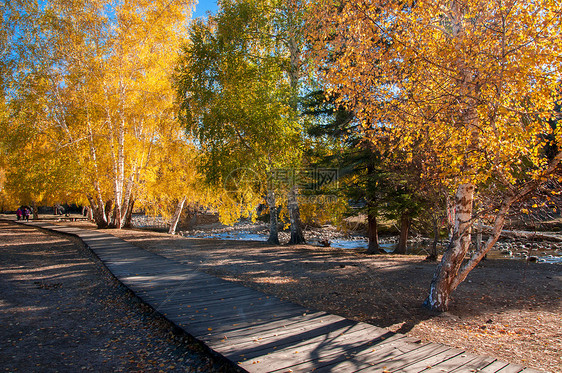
(19,213)
(26,213)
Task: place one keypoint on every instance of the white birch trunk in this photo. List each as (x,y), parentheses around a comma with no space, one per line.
(177,215)
(97,210)
(444,280)
(120,177)
(128,201)
(297,237)
(484,249)
(97,206)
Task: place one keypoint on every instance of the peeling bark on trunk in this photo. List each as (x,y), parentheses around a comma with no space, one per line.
(297,237)
(373,234)
(98,212)
(273,229)
(128,203)
(127,221)
(107,209)
(451,272)
(177,215)
(479,235)
(484,249)
(405,223)
(444,279)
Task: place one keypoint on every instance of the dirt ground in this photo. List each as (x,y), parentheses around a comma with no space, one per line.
(507,309)
(61,311)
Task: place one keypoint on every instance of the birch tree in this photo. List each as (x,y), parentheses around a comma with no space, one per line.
(94,85)
(475,80)
(236,99)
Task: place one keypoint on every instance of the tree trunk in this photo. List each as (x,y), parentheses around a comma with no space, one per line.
(433,254)
(444,279)
(177,215)
(273,229)
(297,237)
(107,209)
(129,202)
(479,235)
(450,216)
(98,213)
(35,211)
(128,220)
(405,223)
(373,233)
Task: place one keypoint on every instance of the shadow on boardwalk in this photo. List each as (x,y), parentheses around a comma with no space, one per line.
(310,342)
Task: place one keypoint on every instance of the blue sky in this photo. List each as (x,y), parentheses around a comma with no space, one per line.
(203,6)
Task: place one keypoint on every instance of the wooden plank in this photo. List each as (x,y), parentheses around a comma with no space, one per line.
(329,358)
(430,361)
(215,318)
(172,277)
(258,345)
(222,291)
(203,332)
(461,363)
(237,305)
(148,264)
(220,300)
(190,309)
(127,269)
(179,290)
(511,368)
(313,348)
(189,294)
(418,355)
(476,364)
(386,359)
(154,280)
(242,295)
(493,367)
(217,291)
(204,285)
(297,325)
(243,331)
(350,359)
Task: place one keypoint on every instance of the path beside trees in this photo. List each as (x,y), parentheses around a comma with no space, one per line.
(60,310)
(507,309)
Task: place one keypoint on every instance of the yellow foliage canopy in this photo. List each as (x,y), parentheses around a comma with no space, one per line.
(476,79)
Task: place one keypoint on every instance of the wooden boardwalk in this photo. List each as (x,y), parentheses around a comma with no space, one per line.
(262,333)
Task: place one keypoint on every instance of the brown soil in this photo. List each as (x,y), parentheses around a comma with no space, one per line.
(60,310)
